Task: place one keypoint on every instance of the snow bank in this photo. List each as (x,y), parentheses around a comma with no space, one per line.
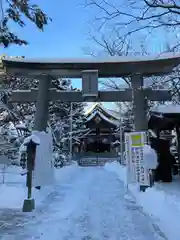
(162,207)
(43,176)
(11,196)
(14,191)
(117,168)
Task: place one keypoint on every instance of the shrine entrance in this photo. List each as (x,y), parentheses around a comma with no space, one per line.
(98,146)
(102,125)
(89,70)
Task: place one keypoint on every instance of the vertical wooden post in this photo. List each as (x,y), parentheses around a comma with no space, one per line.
(42,104)
(139,107)
(139,103)
(71,129)
(90,83)
(40,124)
(178,146)
(29,203)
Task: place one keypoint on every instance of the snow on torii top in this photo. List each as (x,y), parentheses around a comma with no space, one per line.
(107,67)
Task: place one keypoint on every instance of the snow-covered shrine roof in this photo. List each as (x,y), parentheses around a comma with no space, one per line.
(164,116)
(99,110)
(166,108)
(99,107)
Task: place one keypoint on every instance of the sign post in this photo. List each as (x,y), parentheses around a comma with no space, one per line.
(71,129)
(136,171)
(4,161)
(3,173)
(29,203)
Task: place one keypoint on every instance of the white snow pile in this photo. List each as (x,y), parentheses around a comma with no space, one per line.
(164,208)
(43,176)
(14,190)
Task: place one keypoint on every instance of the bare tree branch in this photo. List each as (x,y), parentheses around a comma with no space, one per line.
(138,15)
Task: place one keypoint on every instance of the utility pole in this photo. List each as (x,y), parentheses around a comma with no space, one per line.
(121,142)
(71,128)
(120,134)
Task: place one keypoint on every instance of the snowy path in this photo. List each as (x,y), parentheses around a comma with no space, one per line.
(89,204)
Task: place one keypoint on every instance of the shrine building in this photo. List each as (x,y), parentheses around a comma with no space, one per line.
(102,124)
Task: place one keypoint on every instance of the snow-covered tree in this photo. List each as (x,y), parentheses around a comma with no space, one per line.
(59,112)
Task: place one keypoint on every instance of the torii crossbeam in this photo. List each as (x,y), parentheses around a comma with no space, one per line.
(125,95)
(90,70)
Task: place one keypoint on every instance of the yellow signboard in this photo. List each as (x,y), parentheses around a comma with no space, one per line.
(137,140)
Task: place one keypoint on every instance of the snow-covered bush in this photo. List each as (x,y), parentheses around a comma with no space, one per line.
(59,160)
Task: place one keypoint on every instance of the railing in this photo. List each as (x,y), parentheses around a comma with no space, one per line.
(94,154)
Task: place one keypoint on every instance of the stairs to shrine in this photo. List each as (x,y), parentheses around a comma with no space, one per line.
(96,159)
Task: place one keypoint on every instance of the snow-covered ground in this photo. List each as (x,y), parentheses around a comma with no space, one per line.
(14,191)
(85,204)
(160,202)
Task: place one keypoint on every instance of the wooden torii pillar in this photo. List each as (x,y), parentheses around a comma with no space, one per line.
(139,100)
(42,104)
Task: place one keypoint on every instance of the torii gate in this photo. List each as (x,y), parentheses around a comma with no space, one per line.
(89,70)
